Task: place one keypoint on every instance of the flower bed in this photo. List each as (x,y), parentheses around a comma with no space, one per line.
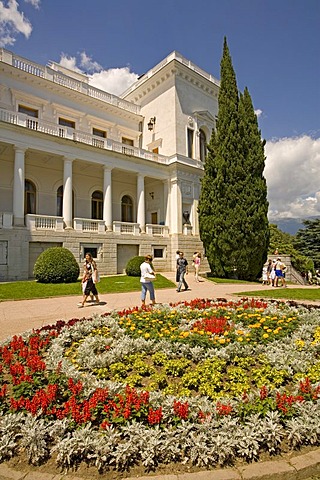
(203,383)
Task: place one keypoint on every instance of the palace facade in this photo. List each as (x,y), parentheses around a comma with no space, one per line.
(90,171)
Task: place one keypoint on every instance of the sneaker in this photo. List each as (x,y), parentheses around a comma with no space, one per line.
(80,305)
(178,290)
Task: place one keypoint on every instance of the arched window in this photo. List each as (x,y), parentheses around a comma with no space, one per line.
(203,146)
(60,202)
(126,209)
(29,197)
(97,205)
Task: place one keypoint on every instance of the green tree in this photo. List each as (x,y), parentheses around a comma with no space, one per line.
(285,244)
(233,202)
(307,240)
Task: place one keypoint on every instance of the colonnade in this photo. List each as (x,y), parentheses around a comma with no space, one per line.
(173,202)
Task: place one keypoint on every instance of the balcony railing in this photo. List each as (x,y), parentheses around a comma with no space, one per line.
(126,227)
(68,133)
(89,225)
(56,224)
(73,81)
(157,230)
(44,222)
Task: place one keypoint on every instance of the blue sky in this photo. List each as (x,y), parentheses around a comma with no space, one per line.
(274,45)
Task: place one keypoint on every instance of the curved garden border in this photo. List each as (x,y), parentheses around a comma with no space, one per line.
(203,383)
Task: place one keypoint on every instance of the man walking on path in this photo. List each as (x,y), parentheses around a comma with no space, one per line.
(182,270)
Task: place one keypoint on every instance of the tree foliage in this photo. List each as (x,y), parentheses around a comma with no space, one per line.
(284,243)
(307,240)
(233,203)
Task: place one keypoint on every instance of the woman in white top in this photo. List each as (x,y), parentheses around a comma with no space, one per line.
(146,279)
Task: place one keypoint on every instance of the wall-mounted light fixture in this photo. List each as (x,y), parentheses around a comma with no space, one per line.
(151,123)
(186,216)
(151,195)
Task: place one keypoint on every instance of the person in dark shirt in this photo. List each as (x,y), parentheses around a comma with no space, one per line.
(182,270)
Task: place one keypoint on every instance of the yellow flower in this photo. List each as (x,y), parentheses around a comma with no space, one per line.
(240,339)
(265,335)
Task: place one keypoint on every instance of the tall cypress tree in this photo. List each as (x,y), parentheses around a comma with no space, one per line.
(233,202)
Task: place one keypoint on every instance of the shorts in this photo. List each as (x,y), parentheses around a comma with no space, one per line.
(279,273)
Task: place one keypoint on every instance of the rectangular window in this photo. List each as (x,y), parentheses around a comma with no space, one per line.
(96,142)
(158,252)
(127,150)
(190,133)
(92,250)
(67,123)
(31,112)
(99,133)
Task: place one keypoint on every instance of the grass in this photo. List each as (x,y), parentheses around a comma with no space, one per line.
(312,294)
(27,290)
(227,280)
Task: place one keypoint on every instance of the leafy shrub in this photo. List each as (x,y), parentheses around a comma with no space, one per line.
(133,266)
(56,265)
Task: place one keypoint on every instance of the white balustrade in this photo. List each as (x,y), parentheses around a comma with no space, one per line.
(44,222)
(157,230)
(126,227)
(89,225)
(68,133)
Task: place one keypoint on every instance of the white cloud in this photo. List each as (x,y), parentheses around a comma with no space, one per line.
(69,62)
(258,112)
(88,64)
(34,3)
(113,80)
(292,172)
(13,22)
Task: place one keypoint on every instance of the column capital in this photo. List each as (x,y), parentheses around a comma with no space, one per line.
(68,159)
(20,148)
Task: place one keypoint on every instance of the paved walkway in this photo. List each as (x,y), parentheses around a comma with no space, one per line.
(19,316)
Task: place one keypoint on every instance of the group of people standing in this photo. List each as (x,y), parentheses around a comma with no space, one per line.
(90,277)
(274,272)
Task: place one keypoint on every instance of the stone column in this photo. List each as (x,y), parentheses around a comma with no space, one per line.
(107,198)
(18,186)
(141,215)
(67,192)
(176,207)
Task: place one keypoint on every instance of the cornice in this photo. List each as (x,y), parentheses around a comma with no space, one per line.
(173,69)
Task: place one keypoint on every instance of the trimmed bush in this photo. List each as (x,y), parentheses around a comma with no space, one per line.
(133,266)
(56,265)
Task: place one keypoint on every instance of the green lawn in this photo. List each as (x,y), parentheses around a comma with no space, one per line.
(227,280)
(312,293)
(115,284)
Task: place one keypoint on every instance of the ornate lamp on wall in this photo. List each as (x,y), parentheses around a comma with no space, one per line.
(186,217)
(151,123)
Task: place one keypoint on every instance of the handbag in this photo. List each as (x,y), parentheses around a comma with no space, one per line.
(96,277)
(149,275)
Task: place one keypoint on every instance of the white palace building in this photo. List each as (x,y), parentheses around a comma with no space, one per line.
(90,171)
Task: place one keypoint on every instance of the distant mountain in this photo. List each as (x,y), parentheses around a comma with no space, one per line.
(290,225)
